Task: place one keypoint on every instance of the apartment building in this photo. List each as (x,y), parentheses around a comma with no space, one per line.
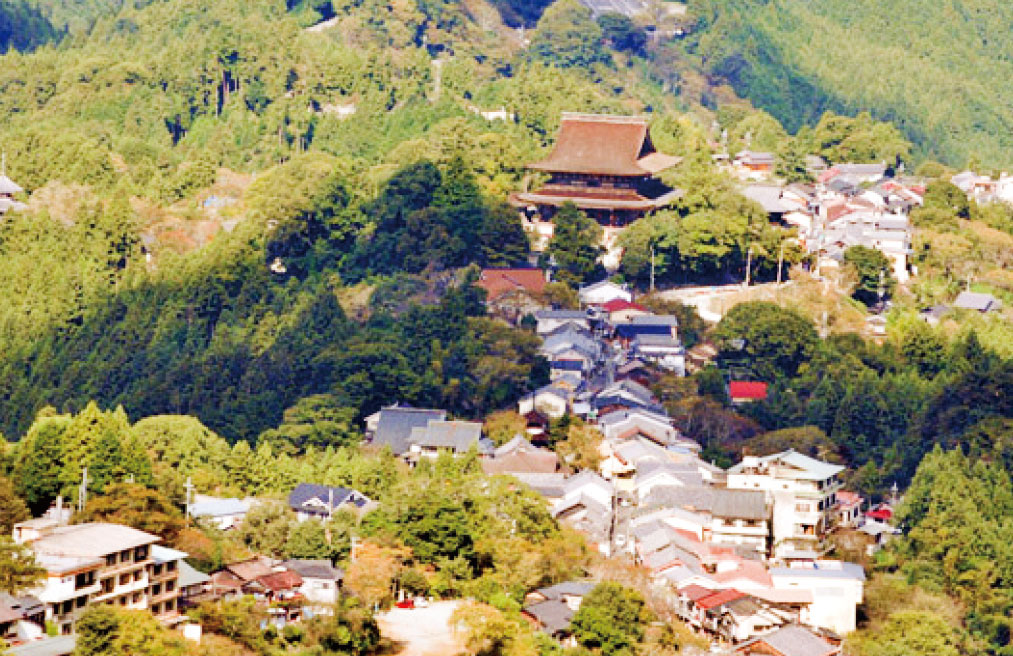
(101,563)
(803,493)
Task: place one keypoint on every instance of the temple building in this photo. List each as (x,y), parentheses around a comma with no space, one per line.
(606,166)
(7,190)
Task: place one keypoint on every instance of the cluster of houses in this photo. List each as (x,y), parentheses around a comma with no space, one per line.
(847,205)
(984,189)
(104,563)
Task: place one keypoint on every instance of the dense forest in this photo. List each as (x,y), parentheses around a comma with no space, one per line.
(932,68)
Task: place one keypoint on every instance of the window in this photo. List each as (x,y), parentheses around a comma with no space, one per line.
(124,579)
(802,507)
(137,575)
(155,608)
(169,605)
(156,570)
(110,560)
(141,553)
(81,601)
(170,566)
(125,556)
(137,597)
(170,586)
(156,590)
(107,585)
(66,629)
(123,601)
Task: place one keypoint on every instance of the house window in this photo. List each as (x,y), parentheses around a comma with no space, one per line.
(170,605)
(141,553)
(802,507)
(156,590)
(124,579)
(156,570)
(81,601)
(123,601)
(170,586)
(137,597)
(110,560)
(155,608)
(170,566)
(107,584)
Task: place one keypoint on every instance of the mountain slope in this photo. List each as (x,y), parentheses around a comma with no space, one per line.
(23,27)
(937,68)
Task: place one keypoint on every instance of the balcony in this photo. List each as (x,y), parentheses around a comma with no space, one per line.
(126,588)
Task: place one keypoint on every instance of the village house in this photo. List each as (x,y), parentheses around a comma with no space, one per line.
(99,563)
(802,491)
(193,586)
(8,189)
(550,320)
(736,518)
(604,165)
(22,619)
(552,401)
(587,505)
(752,165)
(620,311)
(513,293)
(454,437)
(977,302)
(321,580)
(837,589)
(310,501)
(551,609)
(746,391)
(392,426)
(519,456)
(792,640)
(603,292)
(221,513)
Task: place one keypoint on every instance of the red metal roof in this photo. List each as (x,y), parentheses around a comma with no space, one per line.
(747,389)
(604,145)
(694,592)
(278,581)
(617,304)
(718,598)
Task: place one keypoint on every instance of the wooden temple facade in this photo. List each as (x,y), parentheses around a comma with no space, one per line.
(606,166)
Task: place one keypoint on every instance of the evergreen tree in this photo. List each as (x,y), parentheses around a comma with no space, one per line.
(12,507)
(308,539)
(574,245)
(40,462)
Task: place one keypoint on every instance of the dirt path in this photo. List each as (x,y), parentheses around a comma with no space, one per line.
(421,631)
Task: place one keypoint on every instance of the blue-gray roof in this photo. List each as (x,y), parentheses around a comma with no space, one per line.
(457,435)
(314,499)
(58,646)
(631,330)
(189,576)
(395,425)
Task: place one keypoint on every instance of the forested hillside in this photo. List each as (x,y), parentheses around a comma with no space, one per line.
(937,69)
(23,27)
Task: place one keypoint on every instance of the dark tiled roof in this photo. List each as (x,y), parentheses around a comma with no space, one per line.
(792,640)
(553,615)
(567,589)
(395,426)
(603,145)
(315,569)
(302,498)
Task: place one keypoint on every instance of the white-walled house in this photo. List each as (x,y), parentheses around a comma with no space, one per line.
(803,493)
(837,588)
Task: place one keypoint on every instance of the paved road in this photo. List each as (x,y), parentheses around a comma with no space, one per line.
(422,631)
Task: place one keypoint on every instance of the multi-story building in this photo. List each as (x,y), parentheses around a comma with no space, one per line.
(803,492)
(101,563)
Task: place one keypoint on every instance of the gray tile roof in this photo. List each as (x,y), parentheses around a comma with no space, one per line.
(793,640)
(553,615)
(93,540)
(314,569)
(976,301)
(395,426)
(58,646)
(568,589)
(189,576)
(457,435)
(730,504)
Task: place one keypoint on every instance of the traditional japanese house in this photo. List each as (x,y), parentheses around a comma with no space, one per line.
(606,166)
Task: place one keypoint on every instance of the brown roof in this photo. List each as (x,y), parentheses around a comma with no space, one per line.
(497,282)
(277,581)
(525,462)
(249,570)
(604,145)
(619,199)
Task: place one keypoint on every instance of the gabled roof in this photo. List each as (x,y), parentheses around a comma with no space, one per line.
(456,435)
(279,581)
(249,570)
(695,592)
(189,576)
(162,554)
(553,615)
(8,186)
(314,569)
(618,304)
(497,282)
(540,461)
(976,301)
(604,145)
(395,425)
(567,589)
(792,640)
(315,499)
(718,599)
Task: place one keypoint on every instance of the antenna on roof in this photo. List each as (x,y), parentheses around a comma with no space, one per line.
(82,492)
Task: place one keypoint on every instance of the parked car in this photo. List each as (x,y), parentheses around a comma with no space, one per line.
(407,603)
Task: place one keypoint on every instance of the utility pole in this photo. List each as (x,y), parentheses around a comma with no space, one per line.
(652,268)
(82,492)
(749,262)
(189,495)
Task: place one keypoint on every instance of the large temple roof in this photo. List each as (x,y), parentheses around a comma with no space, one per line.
(604,145)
